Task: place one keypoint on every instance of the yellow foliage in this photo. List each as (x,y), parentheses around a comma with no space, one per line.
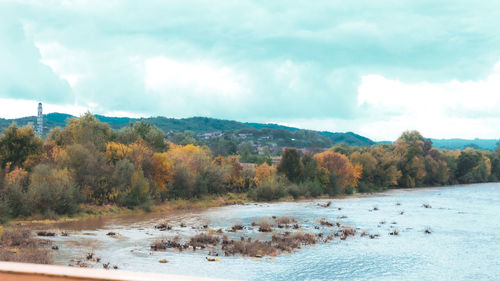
(191,155)
(263,172)
(138,152)
(116,152)
(358,171)
(16,176)
(162,170)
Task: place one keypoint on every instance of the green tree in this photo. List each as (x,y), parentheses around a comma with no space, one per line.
(52,190)
(468,161)
(291,165)
(87,130)
(153,136)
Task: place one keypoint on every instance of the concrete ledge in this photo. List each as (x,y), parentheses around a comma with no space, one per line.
(12,271)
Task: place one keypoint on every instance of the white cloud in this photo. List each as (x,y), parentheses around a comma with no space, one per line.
(204,80)
(448,98)
(70,65)
(438,110)
(15,108)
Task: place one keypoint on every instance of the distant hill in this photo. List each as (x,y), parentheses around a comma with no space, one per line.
(263,134)
(487,144)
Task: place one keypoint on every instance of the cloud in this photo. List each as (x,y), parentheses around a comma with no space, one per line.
(256,61)
(194,83)
(465,109)
(22,75)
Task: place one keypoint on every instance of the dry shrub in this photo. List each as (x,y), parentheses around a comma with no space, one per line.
(18,245)
(203,239)
(249,248)
(237,227)
(264,227)
(324,222)
(288,243)
(285,220)
(163,244)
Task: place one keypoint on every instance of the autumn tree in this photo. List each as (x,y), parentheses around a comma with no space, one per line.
(18,145)
(339,165)
(410,148)
(263,172)
(87,130)
(162,173)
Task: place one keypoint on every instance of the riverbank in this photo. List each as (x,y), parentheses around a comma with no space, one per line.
(88,211)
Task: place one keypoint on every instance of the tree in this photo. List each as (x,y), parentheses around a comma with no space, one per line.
(87,130)
(90,172)
(338,164)
(410,148)
(467,161)
(153,136)
(17,145)
(223,146)
(138,192)
(162,173)
(310,168)
(263,172)
(290,165)
(52,190)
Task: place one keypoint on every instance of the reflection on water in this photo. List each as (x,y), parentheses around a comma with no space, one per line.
(463,244)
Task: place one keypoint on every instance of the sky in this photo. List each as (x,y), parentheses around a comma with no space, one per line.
(376,68)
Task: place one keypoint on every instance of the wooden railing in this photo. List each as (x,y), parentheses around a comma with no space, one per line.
(11,271)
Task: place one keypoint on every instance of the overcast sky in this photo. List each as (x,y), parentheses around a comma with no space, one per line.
(376,68)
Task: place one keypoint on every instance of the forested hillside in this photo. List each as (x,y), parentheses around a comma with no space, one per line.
(204,129)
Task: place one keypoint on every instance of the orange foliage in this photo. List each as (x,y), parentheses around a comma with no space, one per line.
(263,172)
(333,162)
(16,176)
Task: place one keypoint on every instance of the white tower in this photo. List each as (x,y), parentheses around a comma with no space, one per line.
(39,121)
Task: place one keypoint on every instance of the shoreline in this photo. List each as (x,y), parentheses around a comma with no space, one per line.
(185,205)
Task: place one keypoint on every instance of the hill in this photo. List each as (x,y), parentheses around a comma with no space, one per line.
(205,129)
(487,144)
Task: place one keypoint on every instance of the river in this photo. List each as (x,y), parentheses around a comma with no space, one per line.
(464,243)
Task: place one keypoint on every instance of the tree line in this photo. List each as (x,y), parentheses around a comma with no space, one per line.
(88,162)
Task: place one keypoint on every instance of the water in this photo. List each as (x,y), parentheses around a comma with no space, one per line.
(464,243)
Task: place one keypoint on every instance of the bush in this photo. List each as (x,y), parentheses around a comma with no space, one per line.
(294,191)
(272,189)
(314,188)
(350,190)
(15,200)
(138,193)
(52,190)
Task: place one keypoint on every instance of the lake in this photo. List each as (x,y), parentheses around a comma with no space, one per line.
(464,243)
